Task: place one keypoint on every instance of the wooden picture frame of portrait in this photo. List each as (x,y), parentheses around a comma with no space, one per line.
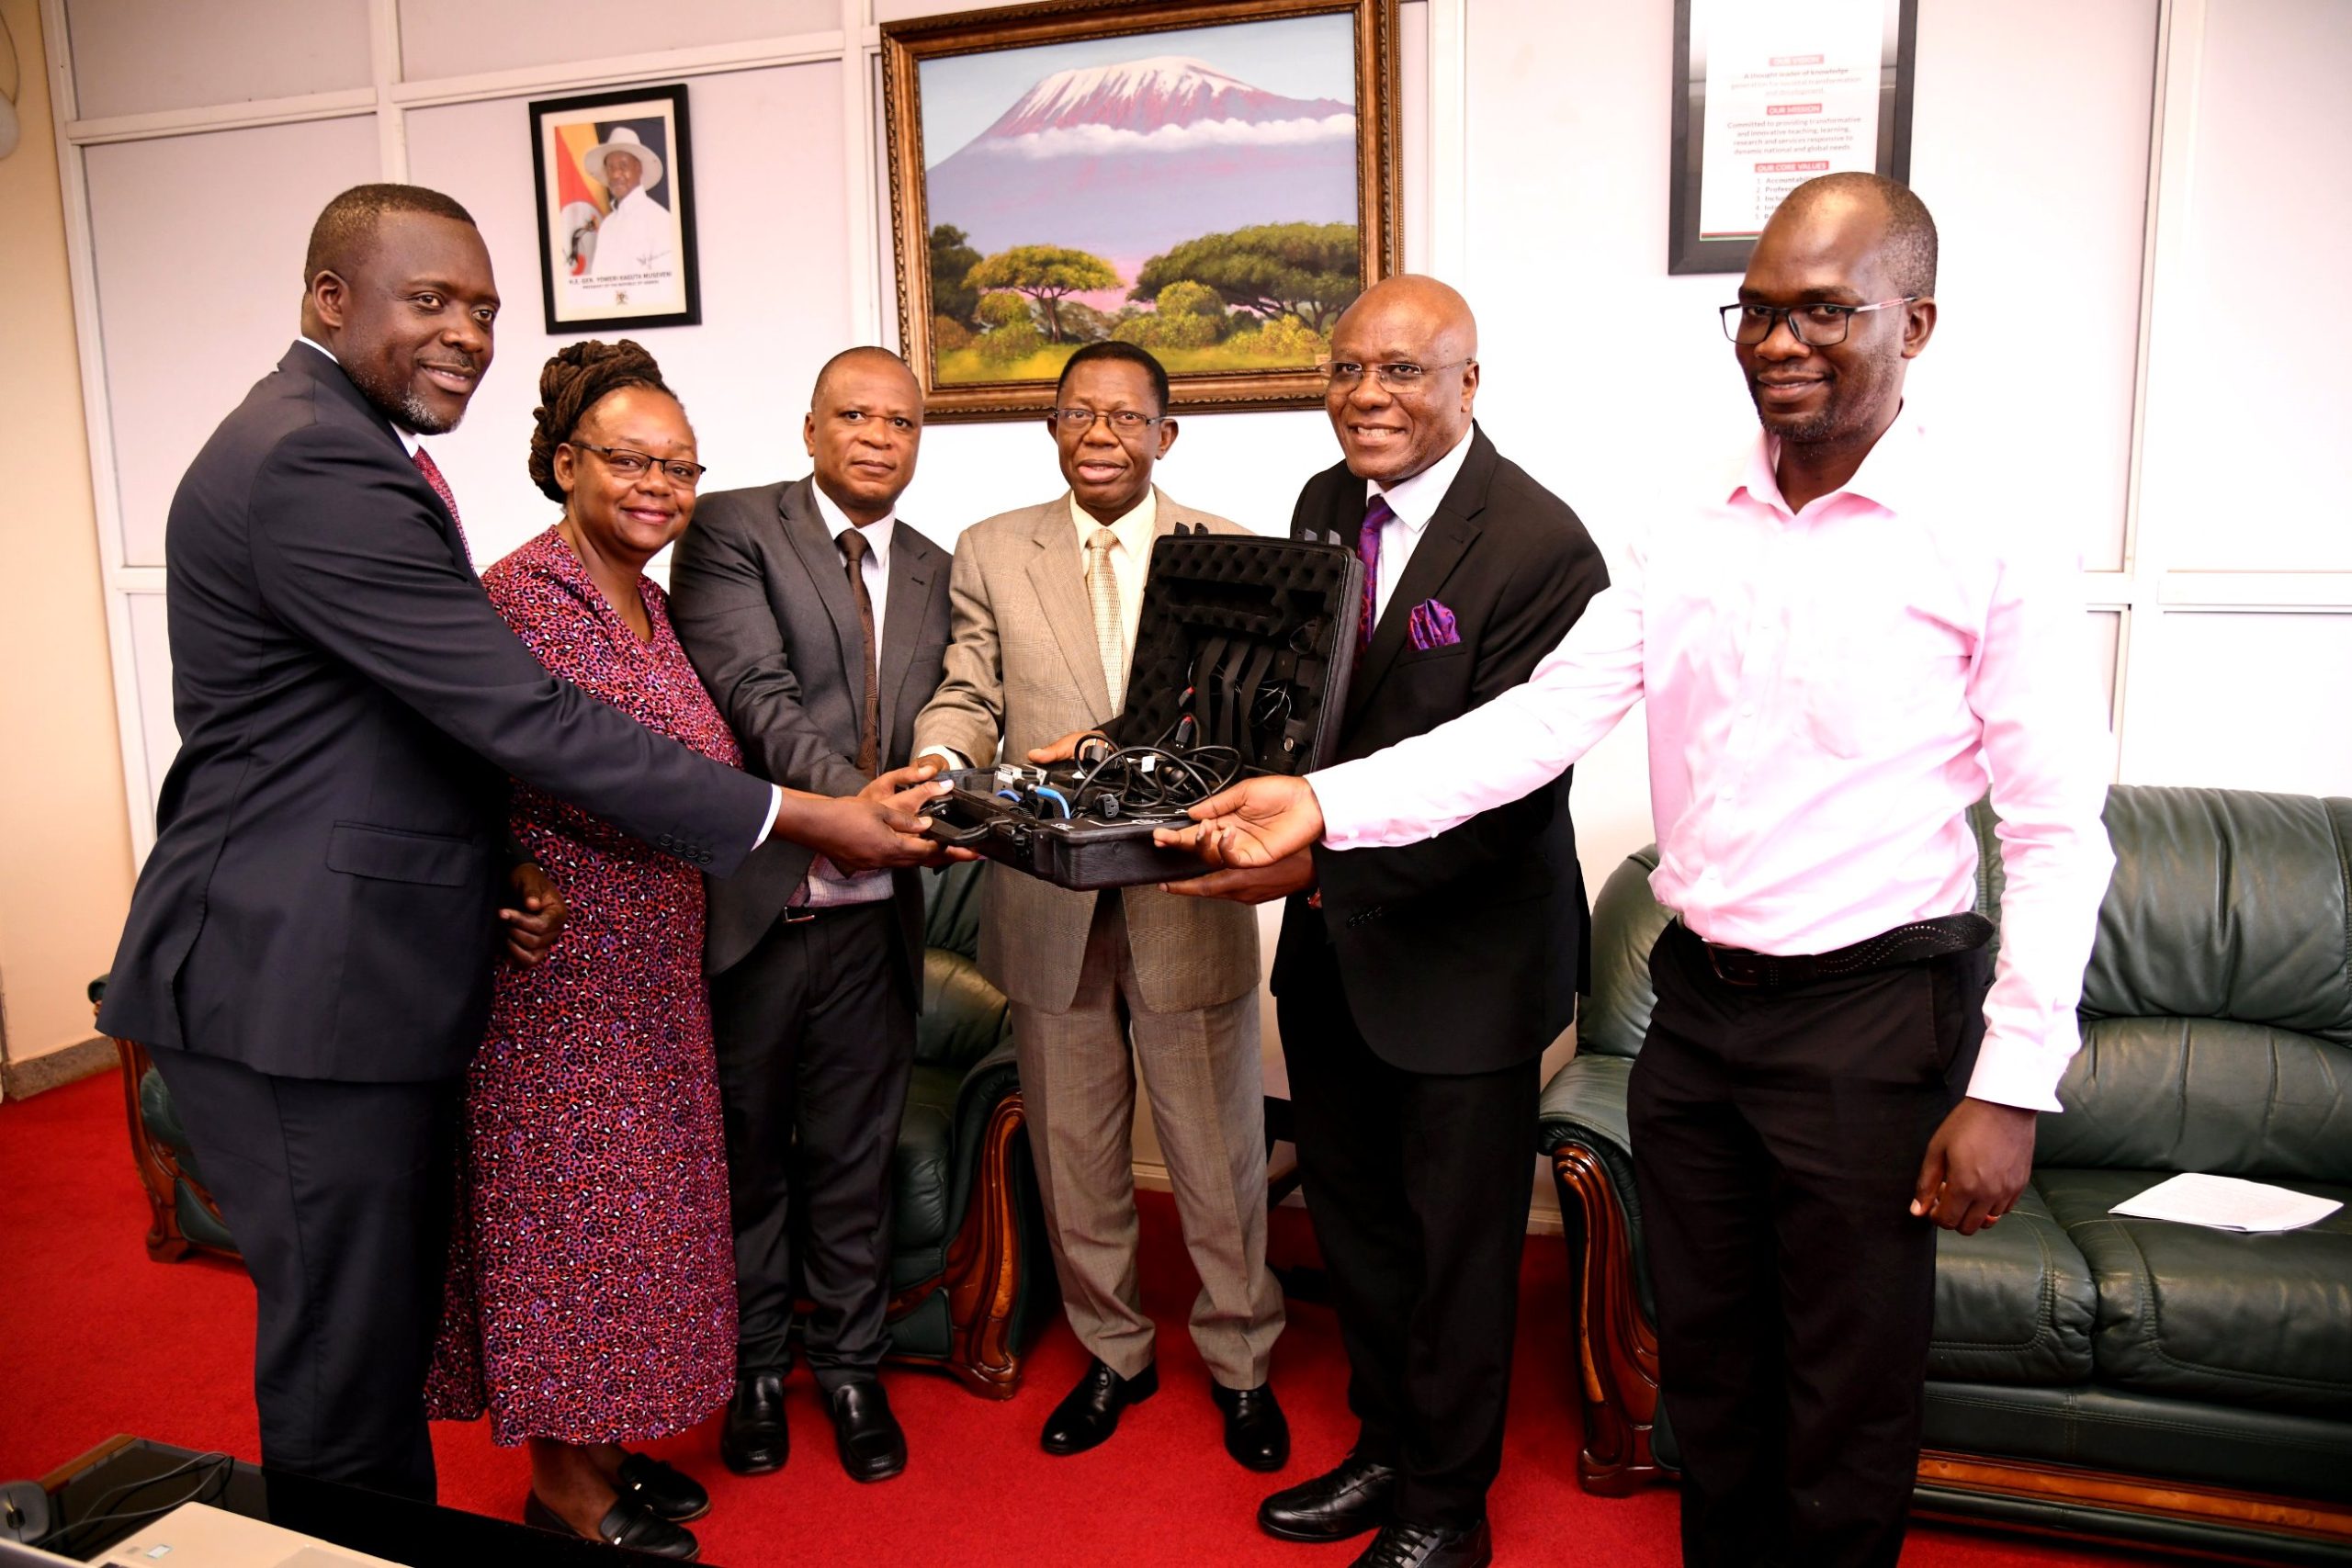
(679,176)
(1686,251)
(907,44)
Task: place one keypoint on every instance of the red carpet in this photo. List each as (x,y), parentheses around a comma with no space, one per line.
(98,1340)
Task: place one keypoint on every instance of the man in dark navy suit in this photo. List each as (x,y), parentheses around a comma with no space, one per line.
(308,949)
(1417,987)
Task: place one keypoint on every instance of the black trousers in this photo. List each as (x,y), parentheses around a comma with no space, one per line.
(1418,1186)
(340,1198)
(1777,1139)
(816,1039)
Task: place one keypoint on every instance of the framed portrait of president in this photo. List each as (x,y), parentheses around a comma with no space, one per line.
(617,210)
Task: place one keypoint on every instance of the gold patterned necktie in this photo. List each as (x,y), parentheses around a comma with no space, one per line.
(1110,628)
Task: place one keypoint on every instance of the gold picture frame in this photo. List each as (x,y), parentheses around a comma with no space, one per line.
(1148,134)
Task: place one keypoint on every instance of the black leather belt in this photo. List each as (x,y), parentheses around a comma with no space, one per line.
(1913,943)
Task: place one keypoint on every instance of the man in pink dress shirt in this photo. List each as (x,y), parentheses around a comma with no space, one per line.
(1841,651)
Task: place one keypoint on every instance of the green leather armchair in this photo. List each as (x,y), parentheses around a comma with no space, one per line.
(2125,1378)
(971,1276)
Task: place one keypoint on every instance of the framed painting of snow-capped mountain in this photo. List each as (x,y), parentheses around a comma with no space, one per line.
(1211,179)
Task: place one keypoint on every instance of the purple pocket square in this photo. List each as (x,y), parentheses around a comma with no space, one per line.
(1431,626)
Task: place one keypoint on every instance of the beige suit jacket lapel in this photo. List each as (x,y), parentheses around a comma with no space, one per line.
(1058,574)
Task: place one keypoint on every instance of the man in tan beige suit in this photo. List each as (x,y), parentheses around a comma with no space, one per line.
(1045,601)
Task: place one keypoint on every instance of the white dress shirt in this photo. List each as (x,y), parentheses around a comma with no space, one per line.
(1830,691)
(827,885)
(1414,501)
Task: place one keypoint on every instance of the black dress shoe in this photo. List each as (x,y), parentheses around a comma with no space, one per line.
(754,1441)
(1428,1546)
(627,1523)
(1255,1432)
(1090,1412)
(872,1445)
(663,1489)
(1356,1497)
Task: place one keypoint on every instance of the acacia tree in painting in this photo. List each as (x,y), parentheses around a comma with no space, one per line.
(1307,270)
(1046,274)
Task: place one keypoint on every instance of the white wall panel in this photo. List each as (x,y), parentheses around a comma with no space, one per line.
(2246,702)
(2255,461)
(144,56)
(1607,379)
(768,151)
(2034,161)
(150,656)
(200,242)
(464,38)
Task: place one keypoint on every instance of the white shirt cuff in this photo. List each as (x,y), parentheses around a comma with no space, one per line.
(775,806)
(1340,795)
(2016,1073)
(955,760)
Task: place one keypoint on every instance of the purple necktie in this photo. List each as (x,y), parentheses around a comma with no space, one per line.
(432,472)
(1377,514)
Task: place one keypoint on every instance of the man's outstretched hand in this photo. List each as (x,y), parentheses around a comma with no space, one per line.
(1977,1163)
(1256,823)
(1294,874)
(879,828)
(1063,750)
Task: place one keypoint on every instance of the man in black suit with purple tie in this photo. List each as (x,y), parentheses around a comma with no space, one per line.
(308,949)
(1417,988)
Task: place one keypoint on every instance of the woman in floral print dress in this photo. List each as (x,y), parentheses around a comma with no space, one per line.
(591,1296)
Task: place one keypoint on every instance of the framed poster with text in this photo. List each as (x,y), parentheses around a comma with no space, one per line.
(617,210)
(1769,94)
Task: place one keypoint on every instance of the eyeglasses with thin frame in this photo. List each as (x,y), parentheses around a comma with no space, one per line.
(628,465)
(1816,325)
(1397,375)
(1125,421)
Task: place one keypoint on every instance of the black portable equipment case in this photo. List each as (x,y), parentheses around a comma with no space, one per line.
(1242,659)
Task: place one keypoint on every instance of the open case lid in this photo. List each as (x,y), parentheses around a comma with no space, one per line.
(1253,638)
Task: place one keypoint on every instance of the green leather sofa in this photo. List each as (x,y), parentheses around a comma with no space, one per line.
(971,1278)
(2127,1378)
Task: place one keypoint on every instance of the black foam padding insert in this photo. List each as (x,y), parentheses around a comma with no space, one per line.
(1299,599)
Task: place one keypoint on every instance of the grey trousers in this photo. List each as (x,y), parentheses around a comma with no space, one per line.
(1201,1068)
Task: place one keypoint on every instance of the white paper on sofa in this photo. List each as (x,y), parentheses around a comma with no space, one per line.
(2227,1202)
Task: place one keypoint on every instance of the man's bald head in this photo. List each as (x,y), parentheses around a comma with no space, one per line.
(1908,238)
(1405,358)
(864,357)
(1436,305)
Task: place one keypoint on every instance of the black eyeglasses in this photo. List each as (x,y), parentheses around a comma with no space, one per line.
(1126,422)
(1819,325)
(1397,374)
(628,465)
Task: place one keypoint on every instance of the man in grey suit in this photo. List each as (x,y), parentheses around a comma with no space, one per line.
(817,619)
(1046,602)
